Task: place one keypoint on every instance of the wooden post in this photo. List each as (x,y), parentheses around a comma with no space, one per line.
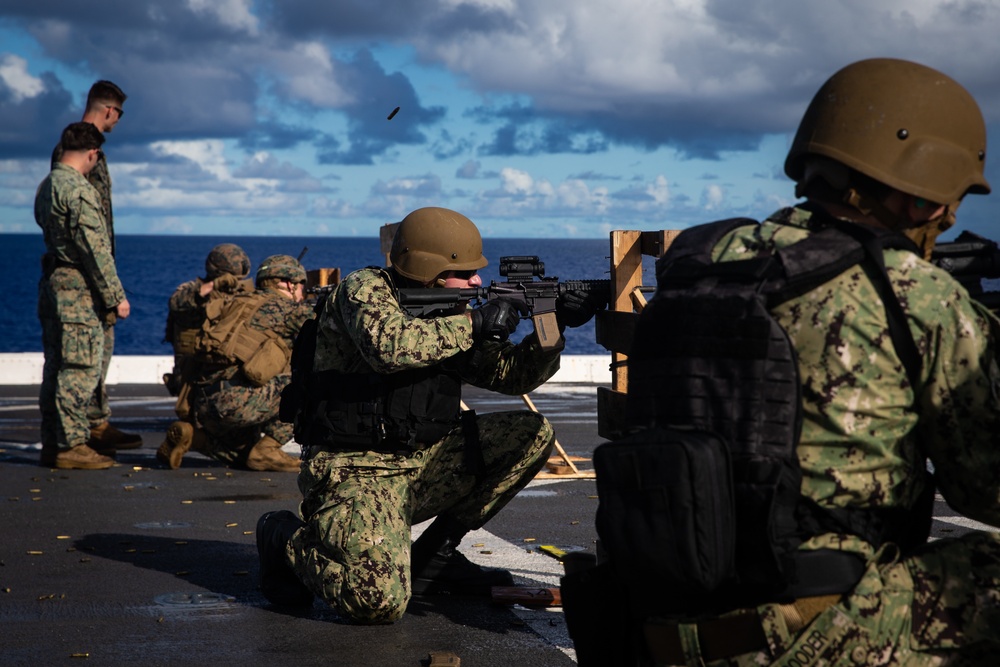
(626,275)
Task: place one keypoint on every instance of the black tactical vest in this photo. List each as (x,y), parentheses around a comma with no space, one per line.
(704,499)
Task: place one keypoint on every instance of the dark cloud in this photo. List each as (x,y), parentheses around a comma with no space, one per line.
(382,18)
(543,137)
(375,93)
(469,169)
(528,131)
(634,195)
(188,78)
(276,136)
(176,68)
(595,176)
(446,146)
(270,167)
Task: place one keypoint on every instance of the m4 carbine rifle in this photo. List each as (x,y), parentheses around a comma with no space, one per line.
(521,271)
(970,259)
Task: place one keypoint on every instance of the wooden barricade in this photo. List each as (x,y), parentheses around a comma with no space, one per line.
(615,327)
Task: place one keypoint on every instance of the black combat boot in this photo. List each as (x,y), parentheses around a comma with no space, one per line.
(437,566)
(278,582)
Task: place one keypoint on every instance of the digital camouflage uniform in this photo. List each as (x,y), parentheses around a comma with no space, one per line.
(859,447)
(232,410)
(78,290)
(354,551)
(99,409)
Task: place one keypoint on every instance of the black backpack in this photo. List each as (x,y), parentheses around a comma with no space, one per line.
(700,507)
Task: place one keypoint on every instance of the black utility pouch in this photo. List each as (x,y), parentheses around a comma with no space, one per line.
(666,514)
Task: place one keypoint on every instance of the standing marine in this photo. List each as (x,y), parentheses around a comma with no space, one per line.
(386,442)
(78,294)
(242,355)
(104,109)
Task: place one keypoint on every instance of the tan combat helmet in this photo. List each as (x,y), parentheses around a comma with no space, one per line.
(227,258)
(430,241)
(283,267)
(902,124)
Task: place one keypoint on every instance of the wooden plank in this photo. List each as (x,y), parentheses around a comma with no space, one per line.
(626,274)
(443,659)
(322,277)
(655,244)
(527,596)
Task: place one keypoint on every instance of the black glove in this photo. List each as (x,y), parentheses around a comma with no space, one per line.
(497,319)
(574,308)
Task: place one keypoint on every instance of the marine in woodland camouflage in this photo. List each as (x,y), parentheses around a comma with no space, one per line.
(863,433)
(354,551)
(185,315)
(233,411)
(74,299)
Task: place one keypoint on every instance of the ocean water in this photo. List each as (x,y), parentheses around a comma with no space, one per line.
(151,267)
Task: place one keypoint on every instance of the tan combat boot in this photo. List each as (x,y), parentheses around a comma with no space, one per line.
(80,457)
(267,455)
(181,437)
(106,438)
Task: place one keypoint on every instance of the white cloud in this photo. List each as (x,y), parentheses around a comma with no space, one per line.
(208,154)
(306,71)
(712,197)
(14,74)
(623,55)
(236,14)
(516,181)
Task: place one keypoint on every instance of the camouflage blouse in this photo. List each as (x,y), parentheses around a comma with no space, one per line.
(865,429)
(363,328)
(68,209)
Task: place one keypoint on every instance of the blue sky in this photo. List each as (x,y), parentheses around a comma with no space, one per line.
(555,119)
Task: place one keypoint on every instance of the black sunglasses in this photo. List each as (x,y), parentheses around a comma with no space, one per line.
(121,112)
(464,275)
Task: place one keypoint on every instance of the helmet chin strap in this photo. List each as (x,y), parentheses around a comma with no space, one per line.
(870,206)
(924,234)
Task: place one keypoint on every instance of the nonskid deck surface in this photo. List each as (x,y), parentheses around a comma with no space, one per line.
(141,563)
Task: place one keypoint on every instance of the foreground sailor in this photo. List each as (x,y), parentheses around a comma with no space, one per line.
(892,145)
(242,355)
(385,445)
(78,293)
(226,269)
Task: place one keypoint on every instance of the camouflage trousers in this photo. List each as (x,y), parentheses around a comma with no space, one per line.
(77,346)
(939,606)
(235,417)
(354,551)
